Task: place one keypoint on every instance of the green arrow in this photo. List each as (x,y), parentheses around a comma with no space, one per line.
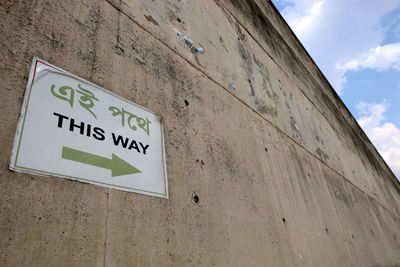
(117,165)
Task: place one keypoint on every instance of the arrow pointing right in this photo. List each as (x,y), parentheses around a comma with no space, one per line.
(117,165)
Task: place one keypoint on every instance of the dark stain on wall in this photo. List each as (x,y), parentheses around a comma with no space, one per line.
(265,109)
(327,101)
(149,18)
(322,155)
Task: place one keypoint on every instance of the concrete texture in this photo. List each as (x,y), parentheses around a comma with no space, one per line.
(283,174)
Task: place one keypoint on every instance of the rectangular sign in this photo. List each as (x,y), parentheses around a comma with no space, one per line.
(74,129)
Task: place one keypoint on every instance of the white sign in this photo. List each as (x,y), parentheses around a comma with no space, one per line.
(74,129)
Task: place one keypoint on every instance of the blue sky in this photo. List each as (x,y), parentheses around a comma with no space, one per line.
(356,44)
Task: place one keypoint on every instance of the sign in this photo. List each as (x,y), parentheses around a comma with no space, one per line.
(74,129)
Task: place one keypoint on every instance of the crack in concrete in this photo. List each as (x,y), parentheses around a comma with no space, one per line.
(106,231)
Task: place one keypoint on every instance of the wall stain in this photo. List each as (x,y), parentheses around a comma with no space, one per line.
(149,18)
(263,108)
(93,22)
(247,64)
(222,42)
(296,130)
(322,155)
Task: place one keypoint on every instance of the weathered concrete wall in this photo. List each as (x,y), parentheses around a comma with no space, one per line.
(283,173)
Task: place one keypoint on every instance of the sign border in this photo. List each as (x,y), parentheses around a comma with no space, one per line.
(21,123)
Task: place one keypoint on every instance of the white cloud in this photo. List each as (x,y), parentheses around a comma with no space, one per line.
(380,58)
(303,20)
(384,135)
(339,32)
(344,35)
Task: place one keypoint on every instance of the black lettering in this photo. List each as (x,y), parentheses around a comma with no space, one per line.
(60,119)
(134,145)
(88,128)
(124,142)
(80,127)
(144,147)
(98,133)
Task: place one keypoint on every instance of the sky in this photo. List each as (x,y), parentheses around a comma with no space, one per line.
(356,44)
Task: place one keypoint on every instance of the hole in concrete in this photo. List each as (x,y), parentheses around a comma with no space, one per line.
(179,20)
(266,149)
(196,198)
(186,102)
(284,220)
(326,230)
(249,81)
(308,174)
(201,162)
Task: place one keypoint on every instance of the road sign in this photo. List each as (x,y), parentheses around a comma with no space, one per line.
(74,129)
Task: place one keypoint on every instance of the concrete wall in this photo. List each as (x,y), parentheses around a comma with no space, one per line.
(283,173)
